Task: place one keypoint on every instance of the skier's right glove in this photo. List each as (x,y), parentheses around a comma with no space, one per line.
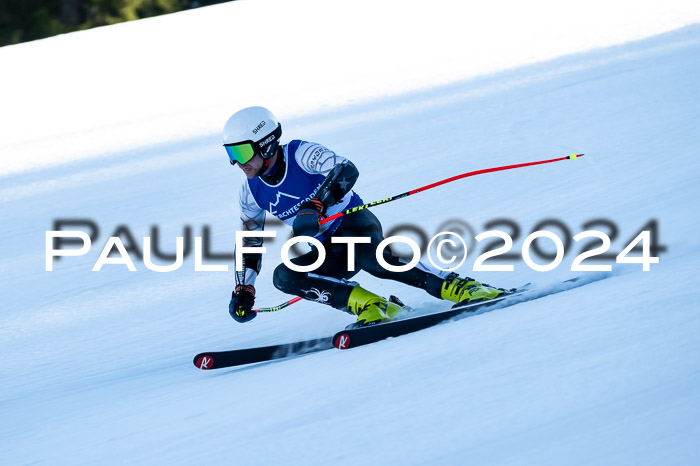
(241,305)
(307,221)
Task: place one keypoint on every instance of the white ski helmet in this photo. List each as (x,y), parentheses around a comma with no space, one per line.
(253,130)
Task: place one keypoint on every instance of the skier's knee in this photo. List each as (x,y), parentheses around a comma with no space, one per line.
(283,278)
(370,264)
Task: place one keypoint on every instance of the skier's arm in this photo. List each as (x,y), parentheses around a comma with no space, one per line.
(338,183)
(243,296)
(341,175)
(252,219)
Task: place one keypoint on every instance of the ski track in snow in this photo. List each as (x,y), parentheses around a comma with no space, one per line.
(98,368)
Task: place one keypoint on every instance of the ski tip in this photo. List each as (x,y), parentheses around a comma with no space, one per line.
(204,361)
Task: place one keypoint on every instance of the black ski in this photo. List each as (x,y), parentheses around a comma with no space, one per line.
(219,359)
(354,337)
(359,336)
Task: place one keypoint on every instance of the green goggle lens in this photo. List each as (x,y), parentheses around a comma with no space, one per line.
(241,153)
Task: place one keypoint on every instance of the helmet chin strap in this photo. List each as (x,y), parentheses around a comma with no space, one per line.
(263,168)
(266,162)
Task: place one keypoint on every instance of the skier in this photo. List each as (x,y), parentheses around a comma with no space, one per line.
(301,183)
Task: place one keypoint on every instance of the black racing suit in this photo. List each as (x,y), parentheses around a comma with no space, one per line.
(329,283)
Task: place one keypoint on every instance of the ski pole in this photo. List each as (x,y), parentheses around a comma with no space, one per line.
(281,306)
(573,156)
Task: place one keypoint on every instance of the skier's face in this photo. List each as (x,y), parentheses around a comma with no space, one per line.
(252,167)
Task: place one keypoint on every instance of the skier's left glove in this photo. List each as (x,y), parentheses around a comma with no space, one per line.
(308,220)
(241,305)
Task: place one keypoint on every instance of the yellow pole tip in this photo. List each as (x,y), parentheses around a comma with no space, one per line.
(573,156)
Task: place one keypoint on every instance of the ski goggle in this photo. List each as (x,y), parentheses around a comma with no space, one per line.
(242,152)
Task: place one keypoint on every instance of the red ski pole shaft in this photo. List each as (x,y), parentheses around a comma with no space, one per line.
(424,188)
(445,181)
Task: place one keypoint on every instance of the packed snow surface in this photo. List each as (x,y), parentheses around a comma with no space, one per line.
(120,126)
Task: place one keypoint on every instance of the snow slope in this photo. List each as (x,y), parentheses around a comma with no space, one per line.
(104,91)
(97,365)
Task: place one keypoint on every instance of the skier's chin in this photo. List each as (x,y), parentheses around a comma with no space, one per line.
(251,173)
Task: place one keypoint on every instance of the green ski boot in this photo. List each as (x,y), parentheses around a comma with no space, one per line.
(467,290)
(370,308)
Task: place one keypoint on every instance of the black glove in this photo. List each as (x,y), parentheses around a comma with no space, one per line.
(241,305)
(307,221)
